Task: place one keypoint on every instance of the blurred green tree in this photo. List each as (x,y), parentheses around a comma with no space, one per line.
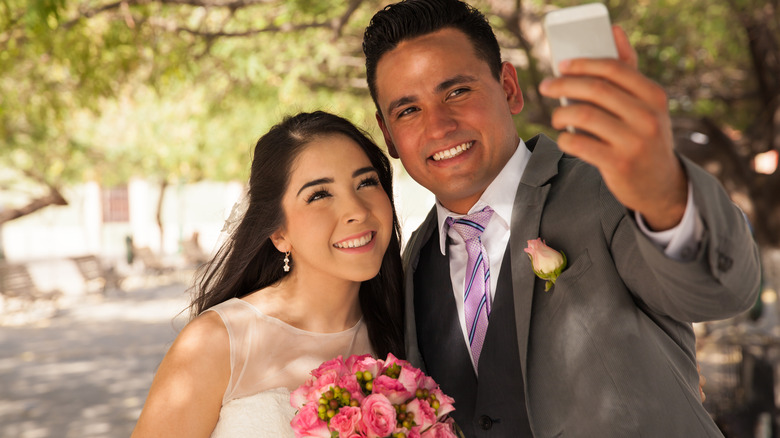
(175,91)
(178,90)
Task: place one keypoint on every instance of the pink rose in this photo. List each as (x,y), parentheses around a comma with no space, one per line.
(299,397)
(445,403)
(410,377)
(414,432)
(547,263)
(378,416)
(394,390)
(363,363)
(347,421)
(335,366)
(439,430)
(426,382)
(350,383)
(306,423)
(319,386)
(392,360)
(424,414)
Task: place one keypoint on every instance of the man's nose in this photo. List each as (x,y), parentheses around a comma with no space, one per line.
(440,121)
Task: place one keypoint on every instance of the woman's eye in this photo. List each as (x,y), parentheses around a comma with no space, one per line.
(369,181)
(319,194)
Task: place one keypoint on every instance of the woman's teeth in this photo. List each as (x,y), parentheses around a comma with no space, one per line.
(355,243)
(453,152)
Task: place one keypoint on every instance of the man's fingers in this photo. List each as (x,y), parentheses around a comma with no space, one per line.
(616,72)
(602,94)
(588,149)
(626,53)
(608,127)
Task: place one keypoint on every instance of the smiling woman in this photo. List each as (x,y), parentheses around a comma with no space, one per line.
(311,272)
(338,217)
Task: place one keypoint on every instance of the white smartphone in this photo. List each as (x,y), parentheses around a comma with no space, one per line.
(582,31)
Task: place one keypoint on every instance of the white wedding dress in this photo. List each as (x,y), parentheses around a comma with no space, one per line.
(270,358)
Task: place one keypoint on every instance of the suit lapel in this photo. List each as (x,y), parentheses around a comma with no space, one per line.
(411,259)
(526,219)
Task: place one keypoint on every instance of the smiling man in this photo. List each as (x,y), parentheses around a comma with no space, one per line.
(653,242)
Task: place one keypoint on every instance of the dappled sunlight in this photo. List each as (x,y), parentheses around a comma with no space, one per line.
(87,371)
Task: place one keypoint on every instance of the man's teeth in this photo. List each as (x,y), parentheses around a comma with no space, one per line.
(449,153)
(355,243)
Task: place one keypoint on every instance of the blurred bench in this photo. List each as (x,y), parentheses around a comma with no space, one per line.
(16,282)
(152,264)
(93,270)
(193,253)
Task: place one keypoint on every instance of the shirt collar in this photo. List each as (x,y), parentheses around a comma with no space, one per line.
(499,195)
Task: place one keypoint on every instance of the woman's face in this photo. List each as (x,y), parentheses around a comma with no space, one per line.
(338,219)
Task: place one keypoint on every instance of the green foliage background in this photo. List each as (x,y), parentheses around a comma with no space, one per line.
(179,90)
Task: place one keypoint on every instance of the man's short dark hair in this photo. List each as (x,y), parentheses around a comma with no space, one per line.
(413,18)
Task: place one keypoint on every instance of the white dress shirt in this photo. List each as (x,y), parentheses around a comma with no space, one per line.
(680,242)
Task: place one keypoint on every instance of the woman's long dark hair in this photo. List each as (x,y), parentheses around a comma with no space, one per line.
(248,261)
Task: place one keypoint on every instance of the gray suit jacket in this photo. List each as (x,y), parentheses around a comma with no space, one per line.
(609,351)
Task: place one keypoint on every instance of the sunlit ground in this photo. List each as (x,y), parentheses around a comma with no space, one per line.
(83,367)
(86,371)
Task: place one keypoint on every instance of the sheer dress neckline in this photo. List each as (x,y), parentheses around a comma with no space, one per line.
(267,353)
(294,329)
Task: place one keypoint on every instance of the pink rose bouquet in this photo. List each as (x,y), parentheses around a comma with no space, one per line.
(366,397)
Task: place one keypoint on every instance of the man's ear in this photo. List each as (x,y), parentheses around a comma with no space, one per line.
(514,95)
(386,133)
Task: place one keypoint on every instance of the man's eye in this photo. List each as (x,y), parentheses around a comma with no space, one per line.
(319,194)
(406,112)
(459,91)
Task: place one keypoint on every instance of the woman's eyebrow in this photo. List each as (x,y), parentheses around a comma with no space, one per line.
(363,170)
(315,182)
(319,181)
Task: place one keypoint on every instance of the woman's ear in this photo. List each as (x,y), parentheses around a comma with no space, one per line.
(280,241)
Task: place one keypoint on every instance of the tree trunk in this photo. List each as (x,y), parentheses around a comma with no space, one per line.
(163,186)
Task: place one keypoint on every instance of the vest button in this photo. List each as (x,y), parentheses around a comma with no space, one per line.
(485,422)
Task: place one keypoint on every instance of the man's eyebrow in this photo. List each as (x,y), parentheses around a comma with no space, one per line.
(455,80)
(400,102)
(315,182)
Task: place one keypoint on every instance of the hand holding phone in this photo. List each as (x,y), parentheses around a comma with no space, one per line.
(627,114)
(582,31)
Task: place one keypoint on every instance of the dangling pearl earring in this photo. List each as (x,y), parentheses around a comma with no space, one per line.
(287,262)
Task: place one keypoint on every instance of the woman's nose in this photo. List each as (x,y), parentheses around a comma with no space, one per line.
(356,210)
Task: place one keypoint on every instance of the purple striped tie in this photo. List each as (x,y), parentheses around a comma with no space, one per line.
(476,288)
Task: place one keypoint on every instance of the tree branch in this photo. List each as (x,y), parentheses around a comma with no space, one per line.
(54,197)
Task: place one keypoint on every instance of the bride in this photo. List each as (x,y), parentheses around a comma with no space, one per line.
(311,271)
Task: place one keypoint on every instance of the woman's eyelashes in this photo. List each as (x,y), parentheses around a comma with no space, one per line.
(322,192)
(318,194)
(369,181)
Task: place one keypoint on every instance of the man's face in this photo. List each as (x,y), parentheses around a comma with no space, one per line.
(446,116)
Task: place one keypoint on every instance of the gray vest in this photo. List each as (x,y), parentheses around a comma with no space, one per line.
(492,405)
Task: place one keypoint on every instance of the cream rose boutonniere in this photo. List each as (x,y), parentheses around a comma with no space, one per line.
(547,262)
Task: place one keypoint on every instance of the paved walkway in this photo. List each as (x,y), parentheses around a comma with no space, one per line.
(86,371)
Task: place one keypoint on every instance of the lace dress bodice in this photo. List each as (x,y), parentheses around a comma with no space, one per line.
(268,359)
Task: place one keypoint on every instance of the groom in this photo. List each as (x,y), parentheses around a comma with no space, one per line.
(653,242)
